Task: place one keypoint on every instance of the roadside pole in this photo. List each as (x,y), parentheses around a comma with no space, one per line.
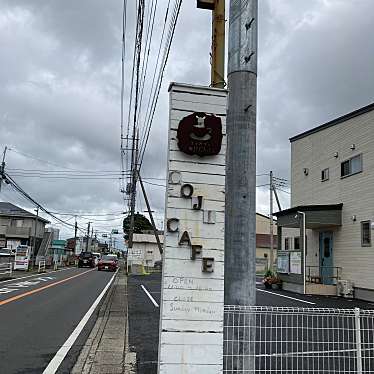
(75,235)
(34,246)
(240,230)
(271,224)
(2,167)
(88,235)
(303,246)
(240,216)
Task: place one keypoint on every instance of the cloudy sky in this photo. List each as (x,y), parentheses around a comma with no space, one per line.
(60,82)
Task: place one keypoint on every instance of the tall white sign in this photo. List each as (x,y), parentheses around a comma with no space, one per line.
(191,322)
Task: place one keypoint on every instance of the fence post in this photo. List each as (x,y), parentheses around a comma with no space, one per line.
(358,340)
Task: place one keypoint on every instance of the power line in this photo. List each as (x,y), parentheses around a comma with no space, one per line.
(157,60)
(13,183)
(149,118)
(287,192)
(38,159)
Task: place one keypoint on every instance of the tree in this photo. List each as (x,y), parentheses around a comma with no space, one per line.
(141,223)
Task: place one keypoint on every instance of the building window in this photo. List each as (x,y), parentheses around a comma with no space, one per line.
(365,234)
(351,166)
(287,242)
(325,174)
(296,242)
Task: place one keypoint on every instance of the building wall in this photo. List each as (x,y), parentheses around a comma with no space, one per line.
(263,225)
(263,252)
(316,152)
(149,253)
(21,227)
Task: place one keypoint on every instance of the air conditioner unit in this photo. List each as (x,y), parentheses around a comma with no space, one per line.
(345,288)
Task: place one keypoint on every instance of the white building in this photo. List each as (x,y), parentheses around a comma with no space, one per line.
(145,250)
(332,184)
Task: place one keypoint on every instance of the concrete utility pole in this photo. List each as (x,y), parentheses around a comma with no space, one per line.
(218,40)
(133,190)
(2,167)
(240,221)
(240,230)
(75,235)
(36,224)
(271,267)
(88,235)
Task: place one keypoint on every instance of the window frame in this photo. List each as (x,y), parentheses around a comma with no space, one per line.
(362,233)
(288,241)
(349,160)
(326,178)
(295,239)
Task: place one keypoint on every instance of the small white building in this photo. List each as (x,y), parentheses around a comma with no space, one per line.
(332,186)
(145,250)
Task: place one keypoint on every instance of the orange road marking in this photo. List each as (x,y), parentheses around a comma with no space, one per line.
(14,298)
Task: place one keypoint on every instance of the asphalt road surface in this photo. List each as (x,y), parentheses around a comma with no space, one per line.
(39,313)
(144,314)
(144,320)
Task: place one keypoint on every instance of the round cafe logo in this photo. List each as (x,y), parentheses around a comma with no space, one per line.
(200,134)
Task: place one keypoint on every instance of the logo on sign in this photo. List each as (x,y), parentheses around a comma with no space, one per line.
(200,134)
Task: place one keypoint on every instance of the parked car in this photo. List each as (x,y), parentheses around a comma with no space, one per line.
(86,259)
(108,262)
(158,265)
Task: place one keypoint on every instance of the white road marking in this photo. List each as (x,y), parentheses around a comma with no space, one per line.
(56,361)
(150,296)
(287,297)
(34,275)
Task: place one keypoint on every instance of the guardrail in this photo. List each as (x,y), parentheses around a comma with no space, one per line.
(6,269)
(41,266)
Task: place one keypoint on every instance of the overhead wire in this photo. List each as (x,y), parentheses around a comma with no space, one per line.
(14,184)
(123,61)
(152,87)
(147,49)
(149,118)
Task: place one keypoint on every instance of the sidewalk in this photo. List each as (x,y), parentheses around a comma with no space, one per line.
(105,351)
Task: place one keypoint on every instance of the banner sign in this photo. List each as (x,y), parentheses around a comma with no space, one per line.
(295,262)
(283,259)
(191,331)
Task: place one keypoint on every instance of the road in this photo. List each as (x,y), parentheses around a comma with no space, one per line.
(144,313)
(40,312)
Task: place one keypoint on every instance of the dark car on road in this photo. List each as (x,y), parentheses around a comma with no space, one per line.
(86,259)
(108,262)
(158,265)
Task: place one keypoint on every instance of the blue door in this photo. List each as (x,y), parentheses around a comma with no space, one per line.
(325,257)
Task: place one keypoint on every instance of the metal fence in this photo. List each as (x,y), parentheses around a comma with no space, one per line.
(298,340)
(6,269)
(41,265)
